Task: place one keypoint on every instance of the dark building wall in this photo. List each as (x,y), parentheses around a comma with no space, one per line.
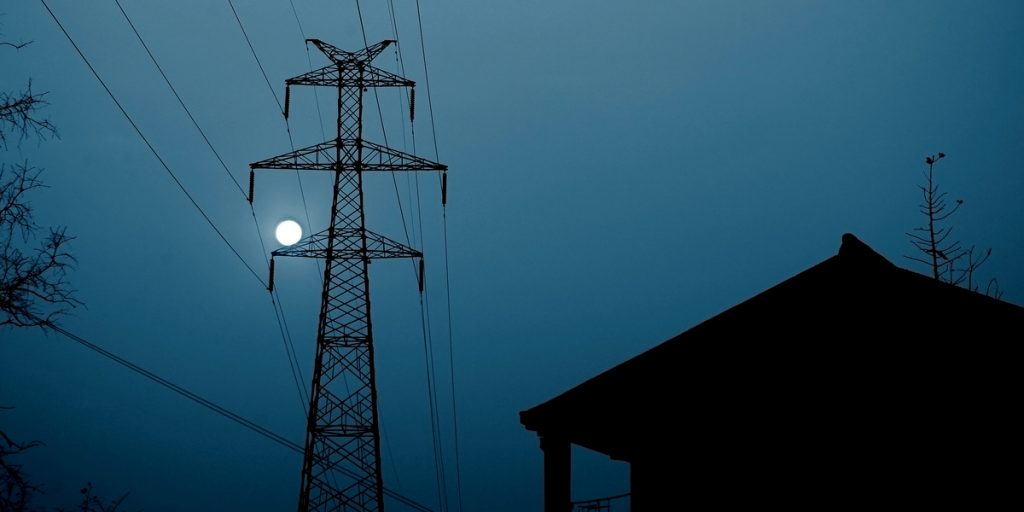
(850,381)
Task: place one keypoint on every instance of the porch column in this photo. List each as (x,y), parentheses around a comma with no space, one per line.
(557,474)
(654,483)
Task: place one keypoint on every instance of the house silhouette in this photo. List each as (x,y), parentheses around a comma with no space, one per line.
(854,382)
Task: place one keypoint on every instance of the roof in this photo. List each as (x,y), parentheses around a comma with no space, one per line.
(847,336)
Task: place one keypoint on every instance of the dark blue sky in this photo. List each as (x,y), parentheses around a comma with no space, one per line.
(619,173)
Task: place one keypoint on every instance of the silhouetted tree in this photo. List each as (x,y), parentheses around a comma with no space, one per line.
(16,490)
(19,114)
(948,259)
(34,289)
(92,503)
(33,281)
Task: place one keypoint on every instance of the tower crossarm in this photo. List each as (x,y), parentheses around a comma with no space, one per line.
(377,247)
(318,157)
(338,55)
(322,157)
(330,76)
(382,158)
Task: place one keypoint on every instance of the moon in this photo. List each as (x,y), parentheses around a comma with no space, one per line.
(288,232)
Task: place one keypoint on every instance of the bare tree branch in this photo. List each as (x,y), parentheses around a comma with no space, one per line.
(992,289)
(92,503)
(915,258)
(34,286)
(19,115)
(949,261)
(16,490)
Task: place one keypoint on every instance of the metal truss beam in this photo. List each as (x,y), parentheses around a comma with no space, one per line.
(377,247)
(338,55)
(329,76)
(323,157)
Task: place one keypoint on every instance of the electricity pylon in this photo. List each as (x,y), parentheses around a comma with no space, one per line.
(341,468)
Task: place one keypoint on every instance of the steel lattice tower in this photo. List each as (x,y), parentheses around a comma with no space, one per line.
(341,468)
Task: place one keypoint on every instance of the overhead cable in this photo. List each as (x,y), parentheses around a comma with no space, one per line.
(282,327)
(209,404)
(153,150)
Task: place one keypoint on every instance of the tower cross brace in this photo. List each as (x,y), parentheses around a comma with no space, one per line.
(341,468)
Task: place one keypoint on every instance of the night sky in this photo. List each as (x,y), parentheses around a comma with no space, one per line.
(618,173)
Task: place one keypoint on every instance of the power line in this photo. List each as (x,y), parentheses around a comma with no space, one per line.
(289,349)
(400,61)
(447,266)
(309,60)
(288,128)
(257,57)
(410,99)
(178,97)
(431,372)
(425,308)
(384,133)
(442,487)
(451,361)
(435,426)
(426,80)
(153,150)
(209,404)
(160,159)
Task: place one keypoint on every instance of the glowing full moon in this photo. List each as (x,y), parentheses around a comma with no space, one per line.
(288,232)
